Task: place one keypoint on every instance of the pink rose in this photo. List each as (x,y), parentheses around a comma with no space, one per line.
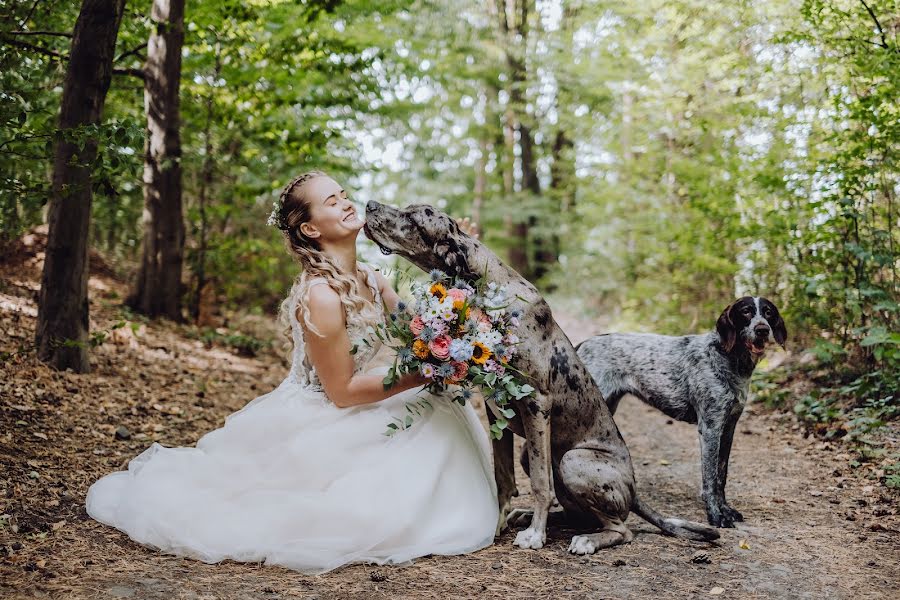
(440,347)
(416,325)
(460,369)
(457,294)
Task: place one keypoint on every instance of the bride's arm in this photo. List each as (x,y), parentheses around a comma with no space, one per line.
(330,355)
(390,297)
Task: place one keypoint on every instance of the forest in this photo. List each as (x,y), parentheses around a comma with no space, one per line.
(644,164)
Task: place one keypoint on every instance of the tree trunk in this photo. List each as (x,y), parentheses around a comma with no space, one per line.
(206,182)
(158,289)
(63,320)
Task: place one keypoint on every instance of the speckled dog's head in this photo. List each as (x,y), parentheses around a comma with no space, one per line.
(427,237)
(752,321)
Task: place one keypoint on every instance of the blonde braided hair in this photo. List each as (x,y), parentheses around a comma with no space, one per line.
(292,210)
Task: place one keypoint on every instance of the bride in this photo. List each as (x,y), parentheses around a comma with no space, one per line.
(303,476)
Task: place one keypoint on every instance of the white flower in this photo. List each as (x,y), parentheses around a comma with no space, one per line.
(489,338)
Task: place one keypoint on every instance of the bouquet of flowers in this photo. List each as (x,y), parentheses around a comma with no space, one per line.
(460,335)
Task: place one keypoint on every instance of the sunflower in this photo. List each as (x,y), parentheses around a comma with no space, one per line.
(480,353)
(438,291)
(458,304)
(420,349)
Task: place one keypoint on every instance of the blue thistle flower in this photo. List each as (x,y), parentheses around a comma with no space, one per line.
(401,306)
(405,355)
(427,335)
(437,275)
(445,370)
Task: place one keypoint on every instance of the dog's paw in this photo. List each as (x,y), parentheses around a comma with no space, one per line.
(530,538)
(582,544)
(732,514)
(519,517)
(717,519)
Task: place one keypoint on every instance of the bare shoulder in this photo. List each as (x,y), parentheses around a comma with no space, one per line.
(325,310)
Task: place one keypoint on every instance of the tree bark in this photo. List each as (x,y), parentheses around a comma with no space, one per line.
(158,289)
(62,330)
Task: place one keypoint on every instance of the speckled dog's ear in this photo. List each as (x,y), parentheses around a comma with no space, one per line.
(726,329)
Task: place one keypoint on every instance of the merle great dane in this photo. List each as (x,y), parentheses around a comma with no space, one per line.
(573,446)
(701,379)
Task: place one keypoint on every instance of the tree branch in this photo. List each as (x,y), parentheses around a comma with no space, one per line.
(38,49)
(884,43)
(56,33)
(30,13)
(139,73)
(133,52)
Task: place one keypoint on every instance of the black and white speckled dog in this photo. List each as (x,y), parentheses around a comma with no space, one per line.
(701,379)
(572,443)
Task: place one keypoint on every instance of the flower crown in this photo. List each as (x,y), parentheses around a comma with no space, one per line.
(276,218)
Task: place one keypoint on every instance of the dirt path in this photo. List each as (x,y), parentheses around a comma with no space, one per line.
(815,528)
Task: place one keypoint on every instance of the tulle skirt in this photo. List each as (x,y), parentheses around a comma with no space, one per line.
(293,480)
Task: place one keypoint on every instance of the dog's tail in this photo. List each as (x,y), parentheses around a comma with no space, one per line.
(675,526)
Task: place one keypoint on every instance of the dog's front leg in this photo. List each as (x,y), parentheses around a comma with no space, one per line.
(710,429)
(724,457)
(536,423)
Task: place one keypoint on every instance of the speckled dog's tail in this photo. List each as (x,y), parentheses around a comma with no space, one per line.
(675,526)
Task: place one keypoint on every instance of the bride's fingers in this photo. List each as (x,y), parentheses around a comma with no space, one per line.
(469,226)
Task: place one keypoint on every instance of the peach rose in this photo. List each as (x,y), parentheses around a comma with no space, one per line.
(460,369)
(416,325)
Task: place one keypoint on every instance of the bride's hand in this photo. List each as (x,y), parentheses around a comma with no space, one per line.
(413,380)
(469,226)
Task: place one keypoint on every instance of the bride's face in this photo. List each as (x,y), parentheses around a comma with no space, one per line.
(332,216)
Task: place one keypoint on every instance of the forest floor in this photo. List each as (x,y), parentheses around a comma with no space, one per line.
(819,523)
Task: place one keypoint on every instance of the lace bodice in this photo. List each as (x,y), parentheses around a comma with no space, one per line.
(366,343)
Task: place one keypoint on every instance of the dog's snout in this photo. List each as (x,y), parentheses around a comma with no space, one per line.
(372,206)
(761,330)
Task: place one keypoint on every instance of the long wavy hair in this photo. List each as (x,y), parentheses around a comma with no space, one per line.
(295,210)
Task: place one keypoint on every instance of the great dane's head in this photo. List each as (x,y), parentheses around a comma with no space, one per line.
(427,237)
(753,322)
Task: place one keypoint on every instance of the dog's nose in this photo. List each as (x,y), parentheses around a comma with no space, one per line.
(372,206)
(762,330)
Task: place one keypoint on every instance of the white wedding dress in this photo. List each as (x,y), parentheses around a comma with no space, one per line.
(293,480)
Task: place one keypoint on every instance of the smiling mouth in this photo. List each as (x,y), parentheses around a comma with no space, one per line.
(350,216)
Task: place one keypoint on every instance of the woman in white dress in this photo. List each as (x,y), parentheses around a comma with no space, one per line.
(303,476)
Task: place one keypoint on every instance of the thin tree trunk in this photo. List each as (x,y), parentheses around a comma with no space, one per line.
(63,311)
(480,179)
(206,181)
(158,289)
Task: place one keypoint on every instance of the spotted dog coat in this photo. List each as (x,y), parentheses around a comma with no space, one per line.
(701,379)
(573,446)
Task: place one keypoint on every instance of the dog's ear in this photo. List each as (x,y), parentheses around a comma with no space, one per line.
(726,329)
(453,255)
(779,330)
